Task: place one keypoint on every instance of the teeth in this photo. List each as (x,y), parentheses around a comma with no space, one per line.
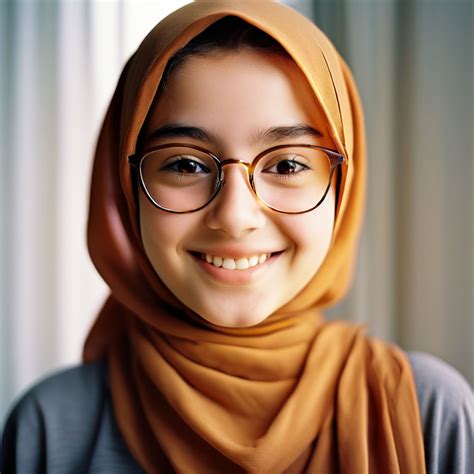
(239,264)
(229,264)
(242,264)
(253,260)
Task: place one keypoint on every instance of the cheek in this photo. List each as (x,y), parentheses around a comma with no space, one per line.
(311,234)
(161,232)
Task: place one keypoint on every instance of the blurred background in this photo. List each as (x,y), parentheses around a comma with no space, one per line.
(413,62)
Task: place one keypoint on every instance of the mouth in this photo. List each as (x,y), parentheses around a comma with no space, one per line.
(239,264)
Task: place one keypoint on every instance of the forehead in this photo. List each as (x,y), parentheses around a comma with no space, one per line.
(236,93)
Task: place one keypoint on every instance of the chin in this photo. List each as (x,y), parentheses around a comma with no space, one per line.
(234,321)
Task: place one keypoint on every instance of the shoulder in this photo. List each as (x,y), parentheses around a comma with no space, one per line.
(60,411)
(57,396)
(75,382)
(437,378)
(446,404)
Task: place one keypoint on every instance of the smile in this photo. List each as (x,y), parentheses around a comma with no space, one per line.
(242,263)
(235,271)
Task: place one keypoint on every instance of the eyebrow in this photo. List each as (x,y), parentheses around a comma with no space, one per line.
(271,135)
(278,134)
(178,130)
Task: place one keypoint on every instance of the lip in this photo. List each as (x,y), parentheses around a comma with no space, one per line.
(234,277)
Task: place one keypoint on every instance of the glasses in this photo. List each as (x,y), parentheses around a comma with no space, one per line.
(292,179)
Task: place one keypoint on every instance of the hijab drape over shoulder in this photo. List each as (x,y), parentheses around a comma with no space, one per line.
(291,394)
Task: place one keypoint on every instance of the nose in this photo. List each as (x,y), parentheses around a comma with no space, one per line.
(235,210)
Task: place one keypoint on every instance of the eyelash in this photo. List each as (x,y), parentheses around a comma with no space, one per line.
(288,175)
(169,166)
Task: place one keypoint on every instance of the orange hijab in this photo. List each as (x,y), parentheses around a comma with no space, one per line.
(291,394)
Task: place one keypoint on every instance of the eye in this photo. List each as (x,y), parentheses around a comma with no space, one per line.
(286,165)
(186,165)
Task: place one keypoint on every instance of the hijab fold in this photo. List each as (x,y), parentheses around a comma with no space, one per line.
(292,394)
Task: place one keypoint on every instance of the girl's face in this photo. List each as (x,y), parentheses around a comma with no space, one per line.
(235,98)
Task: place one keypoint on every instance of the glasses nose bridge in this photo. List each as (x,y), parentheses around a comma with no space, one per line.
(233,161)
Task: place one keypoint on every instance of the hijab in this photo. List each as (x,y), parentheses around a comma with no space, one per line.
(291,394)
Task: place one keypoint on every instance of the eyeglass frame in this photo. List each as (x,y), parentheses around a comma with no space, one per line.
(137,159)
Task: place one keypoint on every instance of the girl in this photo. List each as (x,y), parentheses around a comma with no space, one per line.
(226,204)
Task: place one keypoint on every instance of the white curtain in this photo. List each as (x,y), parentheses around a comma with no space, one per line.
(59,63)
(413,62)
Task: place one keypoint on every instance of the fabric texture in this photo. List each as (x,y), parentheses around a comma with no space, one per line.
(191,396)
(65,423)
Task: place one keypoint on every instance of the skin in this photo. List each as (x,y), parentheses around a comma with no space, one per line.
(232,95)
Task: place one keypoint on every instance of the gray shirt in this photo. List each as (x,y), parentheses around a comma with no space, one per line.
(65,423)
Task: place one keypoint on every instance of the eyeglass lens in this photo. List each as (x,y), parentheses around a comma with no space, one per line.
(290,179)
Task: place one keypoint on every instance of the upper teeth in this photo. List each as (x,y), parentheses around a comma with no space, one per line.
(236,264)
